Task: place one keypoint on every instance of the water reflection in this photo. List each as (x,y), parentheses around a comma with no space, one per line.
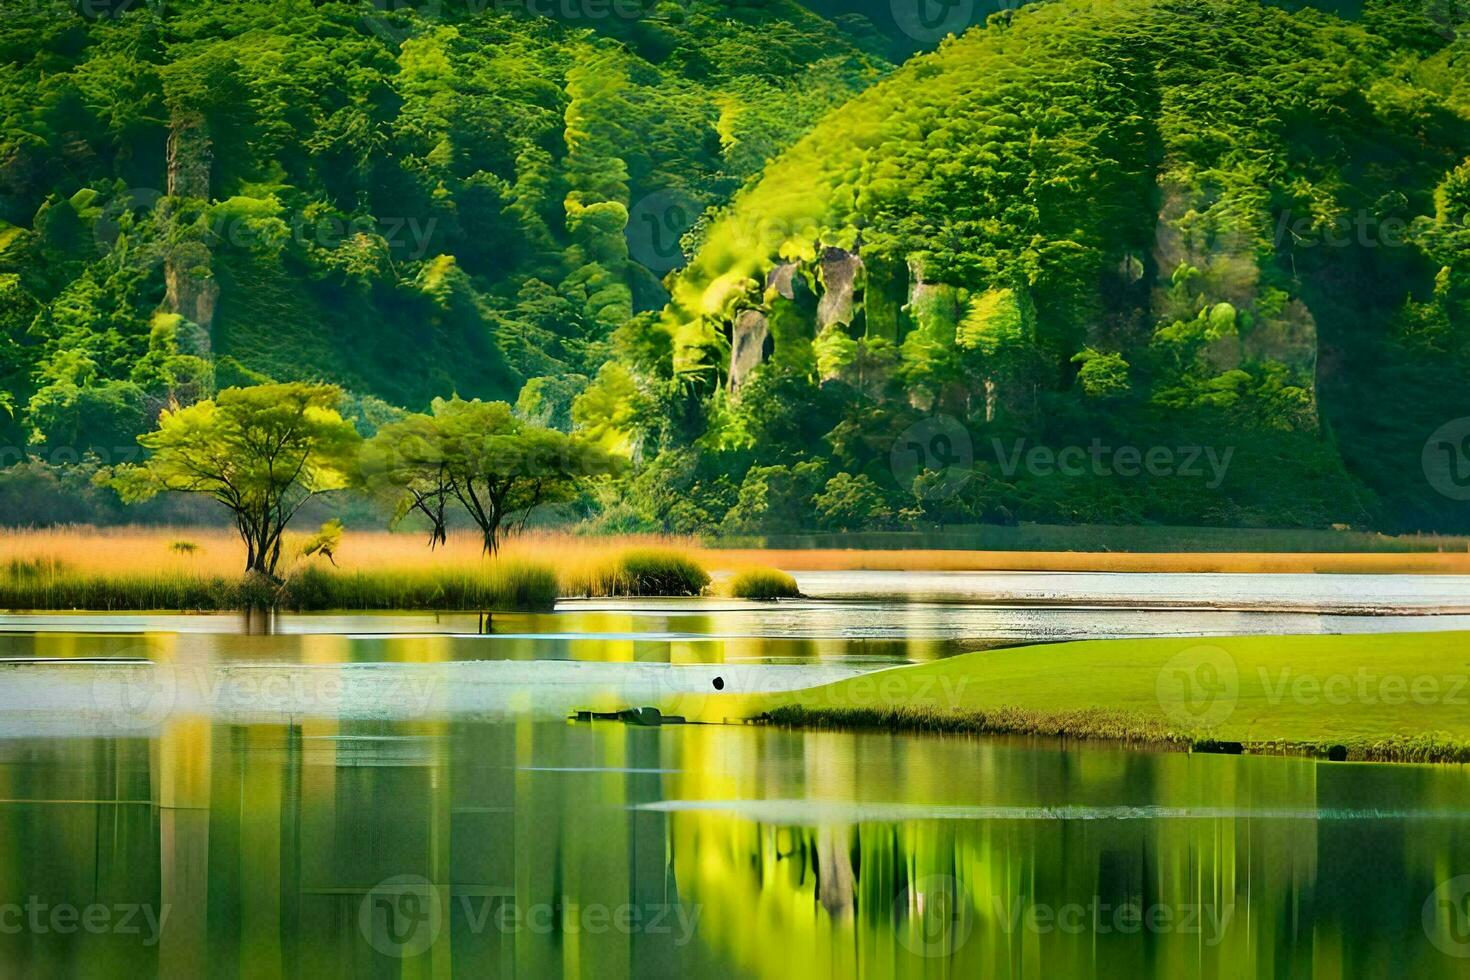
(364,848)
(672,631)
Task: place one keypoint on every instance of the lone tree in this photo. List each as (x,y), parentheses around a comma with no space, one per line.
(498,467)
(405,461)
(261,451)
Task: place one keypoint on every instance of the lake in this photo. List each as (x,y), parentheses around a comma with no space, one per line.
(403,796)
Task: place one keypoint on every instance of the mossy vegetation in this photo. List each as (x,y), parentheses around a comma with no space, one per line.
(762,583)
(1393,697)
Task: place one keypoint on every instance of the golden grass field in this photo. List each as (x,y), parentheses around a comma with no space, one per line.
(579,558)
(131,568)
(218,551)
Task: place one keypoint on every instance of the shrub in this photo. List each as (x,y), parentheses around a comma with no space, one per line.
(638,572)
(763,583)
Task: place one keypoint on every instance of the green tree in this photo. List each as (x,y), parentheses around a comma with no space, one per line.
(850,502)
(405,461)
(498,467)
(262,452)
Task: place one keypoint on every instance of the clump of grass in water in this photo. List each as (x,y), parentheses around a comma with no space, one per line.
(183,547)
(506,584)
(503,585)
(638,572)
(762,583)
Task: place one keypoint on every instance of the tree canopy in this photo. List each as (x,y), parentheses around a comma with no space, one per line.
(261,452)
(497,467)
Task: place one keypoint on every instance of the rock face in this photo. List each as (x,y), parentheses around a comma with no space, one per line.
(190,290)
(839,271)
(749,345)
(780,278)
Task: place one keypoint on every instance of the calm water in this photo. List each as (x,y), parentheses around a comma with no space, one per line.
(396,797)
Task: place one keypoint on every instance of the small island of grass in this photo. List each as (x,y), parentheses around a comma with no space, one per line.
(1386,697)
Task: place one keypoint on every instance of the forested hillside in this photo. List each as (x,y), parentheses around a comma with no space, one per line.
(408,203)
(1210,259)
(1234,236)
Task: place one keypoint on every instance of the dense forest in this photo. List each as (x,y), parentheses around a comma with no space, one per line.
(798,287)
(406,203)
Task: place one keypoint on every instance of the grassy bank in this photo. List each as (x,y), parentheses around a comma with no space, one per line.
(134,569)
(1394,697)
(506,585)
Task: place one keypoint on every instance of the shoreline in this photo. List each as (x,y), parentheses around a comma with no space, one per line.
(1390,697)
(1199,562)
(1099,726)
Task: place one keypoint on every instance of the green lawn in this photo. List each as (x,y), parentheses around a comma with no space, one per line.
(1390,696)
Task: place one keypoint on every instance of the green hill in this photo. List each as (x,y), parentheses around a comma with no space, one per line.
(1098,228)
(409,202)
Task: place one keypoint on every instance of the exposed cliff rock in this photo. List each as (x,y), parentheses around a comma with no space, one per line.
(839,272)
(191,290)
(749,345)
